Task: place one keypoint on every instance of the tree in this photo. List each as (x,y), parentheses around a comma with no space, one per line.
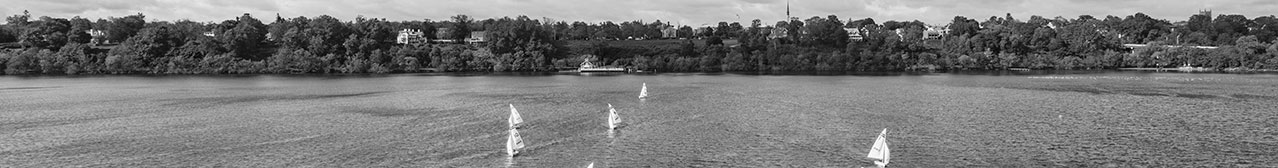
(122,28)
(609,30)
(509,35)
(461,27)
(77,32)
(861,23)
(824,32)
(19,20)
(1140,28)
(963,26)
(149,47)
(1201,23)
(245,38)
(1230,28)
(1264,27)
(47,33)
(714,40)
(685,32)
(325,34)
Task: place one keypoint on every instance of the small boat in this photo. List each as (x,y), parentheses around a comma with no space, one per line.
(592,165)
(587,66)
(515,121)
(514,143)
(1191,68)
(613,119)
(880,151)
(643,93)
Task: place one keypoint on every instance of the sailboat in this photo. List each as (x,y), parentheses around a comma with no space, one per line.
(613,118)
(592,165)
(514,143)
(880,150)
(515,120)
(643,93)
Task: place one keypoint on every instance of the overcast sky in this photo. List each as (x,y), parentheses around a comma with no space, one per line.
(684,12)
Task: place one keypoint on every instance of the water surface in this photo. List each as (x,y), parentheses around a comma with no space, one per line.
(1088,119)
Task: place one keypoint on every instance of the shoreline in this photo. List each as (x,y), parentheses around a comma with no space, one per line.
(1201,70)
(765,73)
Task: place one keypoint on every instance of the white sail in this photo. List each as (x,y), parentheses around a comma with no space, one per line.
(613,118)
(880,150)
(515,120)
(514,143)
(643,93)
(592,165)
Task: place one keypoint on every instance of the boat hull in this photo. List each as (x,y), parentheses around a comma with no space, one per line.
(601,70)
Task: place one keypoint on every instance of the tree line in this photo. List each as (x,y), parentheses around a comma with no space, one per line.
(324,44)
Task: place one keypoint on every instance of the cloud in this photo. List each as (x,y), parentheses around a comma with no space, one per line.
(686,12)
(893,8)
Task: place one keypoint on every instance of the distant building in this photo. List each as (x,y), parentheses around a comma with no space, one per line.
(900,34)
(670,33)
(854,33)
(410,36)
(1133,46)
(97,36)
(444,35)
(779,32)
(210,34)
(478,37)
(935,32)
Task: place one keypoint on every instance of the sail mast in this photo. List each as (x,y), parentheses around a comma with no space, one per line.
(643,92)
(613,118)
(515,119)
(880,150)
(514,143)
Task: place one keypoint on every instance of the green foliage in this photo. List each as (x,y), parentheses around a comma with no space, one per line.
(120,29)
(325,44)
(46,33)
(244,38)
(23,62)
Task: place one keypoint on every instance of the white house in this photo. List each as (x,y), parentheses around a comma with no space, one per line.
(409,36)
(478,37)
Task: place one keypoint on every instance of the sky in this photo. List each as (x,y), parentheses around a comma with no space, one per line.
(682,12)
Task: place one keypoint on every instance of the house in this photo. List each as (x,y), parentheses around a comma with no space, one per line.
(779,32)
(854,33)
(900,34)
(410,36)
(935,32)
(443,35)
(478,37)
(670,33)
(1133,46)
(210,34)
(97,36)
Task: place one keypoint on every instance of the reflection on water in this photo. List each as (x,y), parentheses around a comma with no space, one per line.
(965,119)
(510,161)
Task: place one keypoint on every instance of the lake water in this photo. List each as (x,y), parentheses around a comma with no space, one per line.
(1093,119)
